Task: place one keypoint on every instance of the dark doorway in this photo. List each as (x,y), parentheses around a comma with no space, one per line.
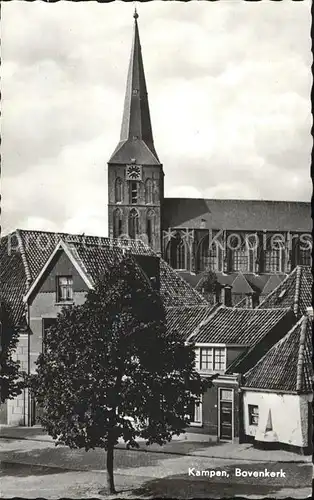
(226,415)
(36,413)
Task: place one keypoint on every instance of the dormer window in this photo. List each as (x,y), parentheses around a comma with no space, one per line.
(213,358)
(135,91)
(64,289)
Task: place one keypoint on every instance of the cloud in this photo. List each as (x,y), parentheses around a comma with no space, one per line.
(229,87)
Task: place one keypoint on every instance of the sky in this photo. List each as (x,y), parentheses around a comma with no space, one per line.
(229,91)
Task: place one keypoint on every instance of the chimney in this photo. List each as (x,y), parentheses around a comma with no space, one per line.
(249,300)
(226,296)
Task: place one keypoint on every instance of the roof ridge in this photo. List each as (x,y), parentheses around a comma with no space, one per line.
(204,322)
(27,270)
(277,287)
(238,200)
(204,306)
(300,363)
(73,250)
(154,153)
(297,290)
(274,348)
(240,274)
(185,282)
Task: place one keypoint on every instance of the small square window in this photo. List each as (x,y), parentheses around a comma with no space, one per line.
(253,414)
(64,288)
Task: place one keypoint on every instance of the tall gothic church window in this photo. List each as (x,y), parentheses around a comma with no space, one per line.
(301,250)
(238,253)
(203,255)
(149,191)
(176,253)
(150,225)
(118,190)
(117,223)
(133,224)
(274,254)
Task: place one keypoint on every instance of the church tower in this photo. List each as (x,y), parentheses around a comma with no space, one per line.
(135,174)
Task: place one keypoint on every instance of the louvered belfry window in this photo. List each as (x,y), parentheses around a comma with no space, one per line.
(133,192)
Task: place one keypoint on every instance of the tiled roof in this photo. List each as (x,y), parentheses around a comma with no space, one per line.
(273,281)
(185,319)
(242,304)
(175,291)
(11,264)
(248,215)
(287,366)
(245,327)
(126,150)
(24,253)
(244,282)
(295,291)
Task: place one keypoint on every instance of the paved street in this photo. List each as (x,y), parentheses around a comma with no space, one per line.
(41,469)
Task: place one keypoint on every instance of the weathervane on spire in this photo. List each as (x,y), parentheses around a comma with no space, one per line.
(135,15)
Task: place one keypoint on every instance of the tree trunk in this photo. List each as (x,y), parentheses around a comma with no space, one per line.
(110,480)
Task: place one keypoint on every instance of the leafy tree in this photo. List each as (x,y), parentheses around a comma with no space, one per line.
(210,286)
(11,379)
(210,282)
(110,370)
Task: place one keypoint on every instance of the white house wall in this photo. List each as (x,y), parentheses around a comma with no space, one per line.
(289,415)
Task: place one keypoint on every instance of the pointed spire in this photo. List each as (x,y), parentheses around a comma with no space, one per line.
(136,126)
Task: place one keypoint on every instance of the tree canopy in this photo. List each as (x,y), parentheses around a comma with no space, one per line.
(11,379)
(111,370)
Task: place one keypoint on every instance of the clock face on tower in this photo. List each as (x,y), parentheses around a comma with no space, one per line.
(133,172)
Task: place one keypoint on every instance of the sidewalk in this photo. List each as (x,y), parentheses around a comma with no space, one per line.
(186,444)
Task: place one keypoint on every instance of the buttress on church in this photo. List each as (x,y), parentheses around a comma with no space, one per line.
(249,244)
